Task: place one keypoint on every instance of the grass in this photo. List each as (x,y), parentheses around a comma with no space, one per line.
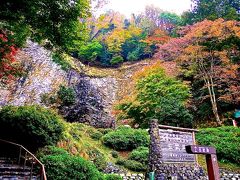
(222,165)
(77,141)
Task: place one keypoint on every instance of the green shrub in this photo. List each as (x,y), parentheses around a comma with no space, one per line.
(116,60)
(51,150)
(98,159)
(126,138)
(120,161)
(69,167)
(112,177)
(66,95)
(131,165)
(105,131)
(226,140)
(32,126)
(133,56)
(135,166)
(96,135)
(115,154)
(140,155)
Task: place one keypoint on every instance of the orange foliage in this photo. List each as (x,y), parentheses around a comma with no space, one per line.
(158,37)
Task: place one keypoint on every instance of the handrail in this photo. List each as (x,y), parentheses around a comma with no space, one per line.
(43,173)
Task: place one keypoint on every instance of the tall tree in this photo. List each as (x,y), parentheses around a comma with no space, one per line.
(209,52)
(211,10)
(156,96)
(57,21)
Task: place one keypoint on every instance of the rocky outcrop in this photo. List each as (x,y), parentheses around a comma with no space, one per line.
(94,95)
(42,76)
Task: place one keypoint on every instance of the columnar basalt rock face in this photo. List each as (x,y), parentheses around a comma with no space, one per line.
(42,76)
(95,96)
(169,170)
(94,100)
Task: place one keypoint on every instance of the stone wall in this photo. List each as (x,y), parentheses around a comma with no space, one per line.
(228,175)
(169,170)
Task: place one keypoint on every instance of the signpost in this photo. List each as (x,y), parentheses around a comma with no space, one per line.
(173,146)
(173,141)
(211,159)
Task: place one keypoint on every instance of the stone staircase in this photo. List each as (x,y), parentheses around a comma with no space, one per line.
(9,170)
(17,163)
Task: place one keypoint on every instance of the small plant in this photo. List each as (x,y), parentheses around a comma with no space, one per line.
(120,161)
(66,95)
(131,165)
(116,60)
(140,155)
(98,159)
(115,154)
(135,166)
(112,177)
(96,135)
(58,58)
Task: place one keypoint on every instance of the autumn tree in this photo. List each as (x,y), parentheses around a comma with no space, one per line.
(8,67)
(209,53)
(154,18)
(156,96)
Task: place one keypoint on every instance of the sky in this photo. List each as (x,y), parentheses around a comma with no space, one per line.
(127,7)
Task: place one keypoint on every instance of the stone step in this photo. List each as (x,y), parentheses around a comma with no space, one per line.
(8,167)
(17,178)
(10,171)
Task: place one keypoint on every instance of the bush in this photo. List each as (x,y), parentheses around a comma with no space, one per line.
(96,135)
(105,131)
(112,177)
(116,60)
(69,167)
(120,161)
(135,166)
(126,138)
(66,95)
(51,150)
(140,155)
(115,154)
(226,140)
(31,126)
(98,159)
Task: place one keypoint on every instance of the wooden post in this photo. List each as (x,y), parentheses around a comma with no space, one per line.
(211,159)
(212,166)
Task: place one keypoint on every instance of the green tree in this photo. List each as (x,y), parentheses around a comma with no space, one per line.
(211,10)
(91,51)
(57,21)
(157,97)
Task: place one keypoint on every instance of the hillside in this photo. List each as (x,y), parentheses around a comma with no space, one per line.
(89,93)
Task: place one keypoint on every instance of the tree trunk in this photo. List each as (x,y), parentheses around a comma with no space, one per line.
(208,80)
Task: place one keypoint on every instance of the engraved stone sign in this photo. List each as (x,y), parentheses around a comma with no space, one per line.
(173,144)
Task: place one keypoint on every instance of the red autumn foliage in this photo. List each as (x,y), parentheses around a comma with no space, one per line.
(8,68)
